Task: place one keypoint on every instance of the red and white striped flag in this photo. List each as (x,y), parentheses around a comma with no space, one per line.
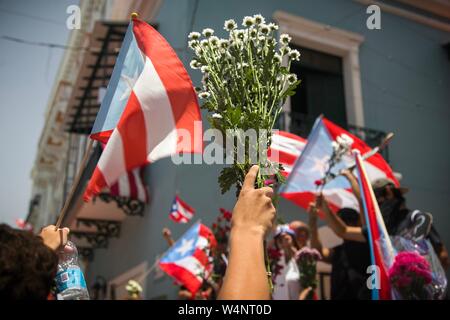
(381,250)
(131,185)
(285,148)
(301,187)
(181,212)
(148,111)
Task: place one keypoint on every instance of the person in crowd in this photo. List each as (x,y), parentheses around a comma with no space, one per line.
(29,262)
(349,260)
(253,215)
(302,233)
(167,234)
(287,282)
(396,215)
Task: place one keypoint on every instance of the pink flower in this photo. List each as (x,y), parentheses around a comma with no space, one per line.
(309,254)
(226,214)
(410,273)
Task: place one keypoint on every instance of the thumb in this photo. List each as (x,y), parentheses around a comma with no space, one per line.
(250,178)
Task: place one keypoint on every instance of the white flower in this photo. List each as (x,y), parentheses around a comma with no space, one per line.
(235,43)
(285,50)
(346,140)
(217,116)
(294,55)
(204,43)
(277,57)
(214,40)
(193,64)
(193,43)
(198,51)
(204,69)
(248,21)
(273,26)
(280,78)
(285,39)
(133,287)
(241,65)
(253,33)
(194,36)
(239,34)
(264,28)
(223,43)
(292,78)
(230,25)
(203,95)
(259,19)
(208,32)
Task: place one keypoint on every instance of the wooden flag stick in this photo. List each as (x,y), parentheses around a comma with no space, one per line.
(75,183)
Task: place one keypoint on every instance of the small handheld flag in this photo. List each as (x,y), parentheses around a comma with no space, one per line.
(189,260)
(181,212)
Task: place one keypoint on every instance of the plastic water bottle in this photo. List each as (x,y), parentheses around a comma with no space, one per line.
(70,281)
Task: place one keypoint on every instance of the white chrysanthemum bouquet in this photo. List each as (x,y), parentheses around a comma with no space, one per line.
(246,80)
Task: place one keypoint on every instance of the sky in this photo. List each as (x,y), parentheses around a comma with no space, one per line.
(27,74)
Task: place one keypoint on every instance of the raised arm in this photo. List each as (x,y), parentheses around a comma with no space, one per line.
(167,234)
(253,214)
(315,240)
(337,225)
(355,188)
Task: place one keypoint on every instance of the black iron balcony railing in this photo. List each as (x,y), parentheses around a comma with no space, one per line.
(302,124)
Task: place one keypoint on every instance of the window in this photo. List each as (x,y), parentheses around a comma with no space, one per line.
(320,92)
(329,69)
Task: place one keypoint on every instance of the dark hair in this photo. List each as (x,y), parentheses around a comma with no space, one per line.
(27,266)
(349,215)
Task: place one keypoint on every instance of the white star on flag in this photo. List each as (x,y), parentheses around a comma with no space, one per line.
(185,246)
(320,165)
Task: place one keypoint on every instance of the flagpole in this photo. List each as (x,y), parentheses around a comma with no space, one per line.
(75,183)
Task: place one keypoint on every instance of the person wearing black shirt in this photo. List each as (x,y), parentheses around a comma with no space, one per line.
(349,260)
(397,217)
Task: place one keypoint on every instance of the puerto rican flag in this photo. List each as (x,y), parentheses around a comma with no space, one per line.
(312,165)
(285,148)
(189,260)
(181,212)
(150,110)
(131,185)
(381,250)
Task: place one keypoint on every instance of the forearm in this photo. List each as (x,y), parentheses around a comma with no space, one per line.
(355,188)
(315,241)
(334,222)
(246,276)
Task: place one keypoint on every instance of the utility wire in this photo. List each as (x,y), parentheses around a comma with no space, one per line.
(29,16)
(46,44)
